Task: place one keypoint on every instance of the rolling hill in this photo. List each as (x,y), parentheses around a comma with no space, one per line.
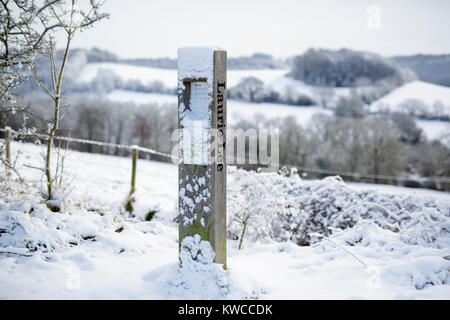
(419,98)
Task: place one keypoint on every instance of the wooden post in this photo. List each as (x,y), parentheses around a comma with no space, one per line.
(202,177)
(134,155)
(8,145)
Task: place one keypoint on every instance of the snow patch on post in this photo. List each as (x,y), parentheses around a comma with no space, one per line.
(196,63)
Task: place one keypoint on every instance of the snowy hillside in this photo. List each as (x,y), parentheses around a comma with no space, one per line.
(169,76)
(240,109)
(417,97)
(273,79)
(382,244)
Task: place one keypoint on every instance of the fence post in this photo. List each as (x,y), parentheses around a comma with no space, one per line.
(8,145)
(202,178)
(134,155)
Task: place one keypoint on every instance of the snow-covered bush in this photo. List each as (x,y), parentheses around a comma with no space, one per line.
(287,208)
(27,225)
(260,204)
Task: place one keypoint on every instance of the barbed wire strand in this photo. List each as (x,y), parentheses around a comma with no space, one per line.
(306,169)
(93,142)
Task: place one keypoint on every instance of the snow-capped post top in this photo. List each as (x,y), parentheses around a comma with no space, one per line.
(202,125)
(196,63)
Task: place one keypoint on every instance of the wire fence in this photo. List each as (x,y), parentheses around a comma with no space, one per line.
(93,142)
(354,175)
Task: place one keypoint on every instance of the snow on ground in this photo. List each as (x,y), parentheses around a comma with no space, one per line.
(434,129)
(428,93)
(141,97)
(288,86)
(169,76)
(265,75)
(130,72)
(274,79)
(93,250)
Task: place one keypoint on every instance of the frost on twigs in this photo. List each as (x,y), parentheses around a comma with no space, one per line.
(286,208)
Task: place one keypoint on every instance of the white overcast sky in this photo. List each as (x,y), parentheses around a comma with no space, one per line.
(156,28)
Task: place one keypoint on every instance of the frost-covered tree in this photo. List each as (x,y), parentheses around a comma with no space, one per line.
(144,131)
(325,95)
(249,88)
(415,107)
(105,81)
(24,26)
(260,205)
(409,131)
(91,122)
(385,151)
(440,111)
(343,68)
(347,144)
(352,107)
(70,17)
(297,145)
(431,160)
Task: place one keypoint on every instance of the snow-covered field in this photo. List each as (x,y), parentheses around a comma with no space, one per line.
(169,76)
(434,129)
(426,92)
(275,79)
(93,250)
